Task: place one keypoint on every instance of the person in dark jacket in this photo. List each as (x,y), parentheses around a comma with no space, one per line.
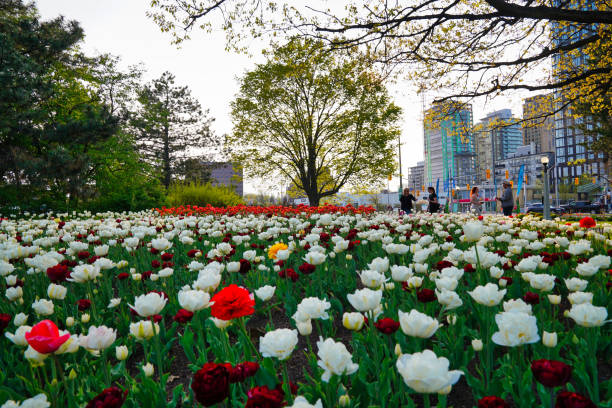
(506,200)
(406,200)
(434,205)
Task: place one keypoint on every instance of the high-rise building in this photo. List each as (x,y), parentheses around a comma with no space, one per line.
(572,155)
(449,145)
(483,146)
(504,131)
(538,123)
(416,176)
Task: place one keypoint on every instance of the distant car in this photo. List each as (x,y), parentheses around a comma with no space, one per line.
(583,207)
(538,208)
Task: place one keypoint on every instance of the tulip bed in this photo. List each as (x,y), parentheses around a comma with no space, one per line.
(273,307)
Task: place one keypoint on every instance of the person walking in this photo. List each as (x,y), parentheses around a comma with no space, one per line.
(434,205)
(406,200)
(475,203)
(506,200)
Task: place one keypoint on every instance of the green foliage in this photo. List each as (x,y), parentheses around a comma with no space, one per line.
(201,194)
(50,115)
(169,122)
(67,140)
(320,120)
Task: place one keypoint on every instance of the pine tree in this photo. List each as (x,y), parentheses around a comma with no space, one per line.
(171,126)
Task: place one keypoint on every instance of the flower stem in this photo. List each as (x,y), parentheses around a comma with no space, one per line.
(287,384)
(426,401)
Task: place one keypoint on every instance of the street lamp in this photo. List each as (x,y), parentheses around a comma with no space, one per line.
(546,202)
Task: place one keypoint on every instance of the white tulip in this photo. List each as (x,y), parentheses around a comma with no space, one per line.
(150,304)
(193,300)
(278,343)
(334,358)
(417,324)
(587,315)
(265,293)
(365,300)
(43,307)
(57,292)
(515,329)
(427,373)
(487,295)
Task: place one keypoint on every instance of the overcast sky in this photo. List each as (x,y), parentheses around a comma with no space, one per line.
(120,27)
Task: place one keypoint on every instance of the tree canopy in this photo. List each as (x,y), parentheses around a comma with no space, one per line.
(318,120)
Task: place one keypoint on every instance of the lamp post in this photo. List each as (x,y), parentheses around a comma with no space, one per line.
(546,193)
(457,189)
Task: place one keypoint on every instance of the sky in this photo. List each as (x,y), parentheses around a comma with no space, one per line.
(121,27)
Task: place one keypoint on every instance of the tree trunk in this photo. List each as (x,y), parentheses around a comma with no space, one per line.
(313,198)
(166,158)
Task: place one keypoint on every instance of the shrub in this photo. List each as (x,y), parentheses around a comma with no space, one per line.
(202,194)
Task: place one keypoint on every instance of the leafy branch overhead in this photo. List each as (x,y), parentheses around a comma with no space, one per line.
(464,49)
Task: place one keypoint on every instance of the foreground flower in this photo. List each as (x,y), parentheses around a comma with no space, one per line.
(45,337)
(193,300)
(278,343)
(265,397)
(587,315)
(265,293)
(587,222)
(472,231)
(515,329)
(387,325)
(417,324)
(98,338)
(492,402)
(144,329)
(84,273)
(275,248)
(334,358)
(150,304)
(427,373)
(312,308)
(352,321)
(211,384)
(232,302)
(365,300)
(551,373)
(111,397)
(487,295)
(568,399)
(301,402)
(38,401)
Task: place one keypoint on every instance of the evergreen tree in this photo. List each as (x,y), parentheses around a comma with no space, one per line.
(50,115)
(171,126)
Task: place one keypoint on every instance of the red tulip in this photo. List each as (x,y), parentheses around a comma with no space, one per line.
(551,373)
(492,402)
(568,399)
(183,316)
(232,302)
(426,295)
(587,222)
(387,325)
(531,298)
(265,397)
(5,319)
(111,397)
(211,384)
(44,337)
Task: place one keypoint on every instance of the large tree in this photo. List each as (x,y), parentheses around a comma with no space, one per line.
(50,113)
(458,48)
(307,112)
(171,126)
